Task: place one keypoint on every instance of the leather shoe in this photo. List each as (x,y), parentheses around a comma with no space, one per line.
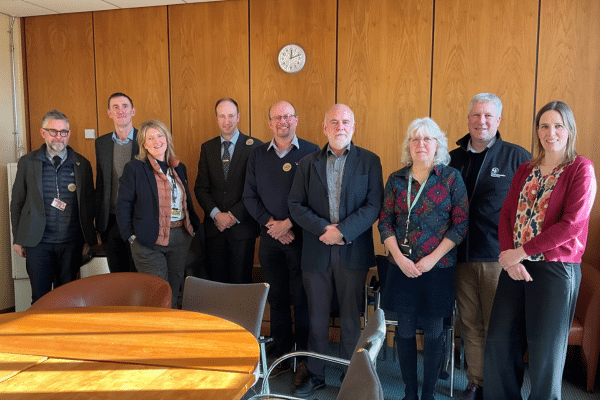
(301,373)
(280,368)
(309,386)
(473,392)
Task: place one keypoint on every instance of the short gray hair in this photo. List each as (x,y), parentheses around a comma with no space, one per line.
(433,130)
(487,98)
(55,115)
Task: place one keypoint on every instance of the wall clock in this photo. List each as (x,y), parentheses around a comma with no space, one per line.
(292,58)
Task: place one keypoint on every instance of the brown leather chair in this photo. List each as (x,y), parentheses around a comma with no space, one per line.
(585,331)
(115,289)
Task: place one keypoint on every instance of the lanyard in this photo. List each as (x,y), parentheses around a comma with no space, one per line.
(410,207)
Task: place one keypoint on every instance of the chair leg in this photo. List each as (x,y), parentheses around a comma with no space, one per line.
(263,365)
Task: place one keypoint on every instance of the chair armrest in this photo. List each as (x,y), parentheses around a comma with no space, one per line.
(265,390)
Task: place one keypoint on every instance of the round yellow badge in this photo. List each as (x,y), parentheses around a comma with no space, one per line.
(287,167)
(71,187)
(249,142)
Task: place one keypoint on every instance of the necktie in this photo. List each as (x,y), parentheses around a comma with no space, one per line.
(57,161)
(226,158)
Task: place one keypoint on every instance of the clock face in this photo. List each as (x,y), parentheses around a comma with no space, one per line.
(292,58)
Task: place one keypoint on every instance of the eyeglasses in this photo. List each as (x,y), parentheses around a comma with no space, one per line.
(426,140)
(287,117)
(54,132)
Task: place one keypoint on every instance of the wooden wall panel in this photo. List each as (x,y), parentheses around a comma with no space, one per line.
(384,73)
(209,60)
(485,46)
(132,51)
(569,70)
(384,70)
(60,75)
(312,25)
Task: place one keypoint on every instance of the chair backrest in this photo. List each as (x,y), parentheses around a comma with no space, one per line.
(243,304)
(373,336)
(114,289)
(361,381)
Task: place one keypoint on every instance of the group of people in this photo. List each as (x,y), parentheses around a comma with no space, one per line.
(484,225)
(500,233)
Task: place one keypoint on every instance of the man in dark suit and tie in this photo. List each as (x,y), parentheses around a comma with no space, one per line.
(336,197)
(113,151)
(230,230)
(52,208)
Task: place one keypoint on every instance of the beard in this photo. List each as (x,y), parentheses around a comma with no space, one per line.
(57,147)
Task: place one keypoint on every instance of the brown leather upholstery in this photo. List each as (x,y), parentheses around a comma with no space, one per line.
(585,331)
(115,289)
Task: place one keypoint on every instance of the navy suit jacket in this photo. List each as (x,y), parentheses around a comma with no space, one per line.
(104,167)
(360,203)
(137,204)
(28,216)
(212,190)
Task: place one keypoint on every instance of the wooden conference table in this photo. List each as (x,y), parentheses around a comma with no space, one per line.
(124,352)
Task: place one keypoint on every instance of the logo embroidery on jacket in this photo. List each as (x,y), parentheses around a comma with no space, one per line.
(495,173)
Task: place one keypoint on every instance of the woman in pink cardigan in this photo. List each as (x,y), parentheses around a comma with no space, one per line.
(543,232)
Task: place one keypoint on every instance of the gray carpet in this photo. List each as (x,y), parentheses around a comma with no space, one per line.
(393,388)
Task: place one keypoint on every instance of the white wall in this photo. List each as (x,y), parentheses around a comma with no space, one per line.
(8,145)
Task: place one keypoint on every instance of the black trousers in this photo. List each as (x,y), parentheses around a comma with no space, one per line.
(118,252)
(536,315)
(280,265)
(49,263)
(230,260)
(350,287)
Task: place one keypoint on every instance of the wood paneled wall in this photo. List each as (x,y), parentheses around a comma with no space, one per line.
(209,61)
(569,70)
(390,61)
(132,57)
(485,46)
(384,71)
(311,25)
(60,75)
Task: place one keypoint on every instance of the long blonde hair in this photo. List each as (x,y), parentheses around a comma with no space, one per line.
(141,139)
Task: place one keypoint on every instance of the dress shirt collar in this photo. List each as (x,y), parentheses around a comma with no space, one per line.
(128,139)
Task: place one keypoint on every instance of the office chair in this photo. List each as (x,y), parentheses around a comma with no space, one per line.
(361,381)
(243,304)
(114,289)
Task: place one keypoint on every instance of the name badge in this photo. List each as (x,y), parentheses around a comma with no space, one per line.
(175,213)
(59,204)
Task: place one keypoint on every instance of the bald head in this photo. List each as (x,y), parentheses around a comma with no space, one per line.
(283,120)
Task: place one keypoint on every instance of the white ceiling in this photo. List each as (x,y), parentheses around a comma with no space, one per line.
(28,8)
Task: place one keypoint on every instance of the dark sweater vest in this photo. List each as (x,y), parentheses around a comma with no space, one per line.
(61,226)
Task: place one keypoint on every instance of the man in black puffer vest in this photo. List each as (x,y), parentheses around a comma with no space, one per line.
(52,208)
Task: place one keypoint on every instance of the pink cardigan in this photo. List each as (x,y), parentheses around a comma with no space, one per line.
(565,228)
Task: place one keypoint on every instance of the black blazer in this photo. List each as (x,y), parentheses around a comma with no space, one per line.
(360,203)
(104,167)
(212,191)
(28,216)
(137,204)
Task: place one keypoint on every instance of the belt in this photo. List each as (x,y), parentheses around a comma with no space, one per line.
(176,224)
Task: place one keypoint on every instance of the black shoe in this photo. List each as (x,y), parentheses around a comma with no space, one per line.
(280,368)
(309,386)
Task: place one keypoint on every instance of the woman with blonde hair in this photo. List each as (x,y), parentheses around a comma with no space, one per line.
(155,212)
